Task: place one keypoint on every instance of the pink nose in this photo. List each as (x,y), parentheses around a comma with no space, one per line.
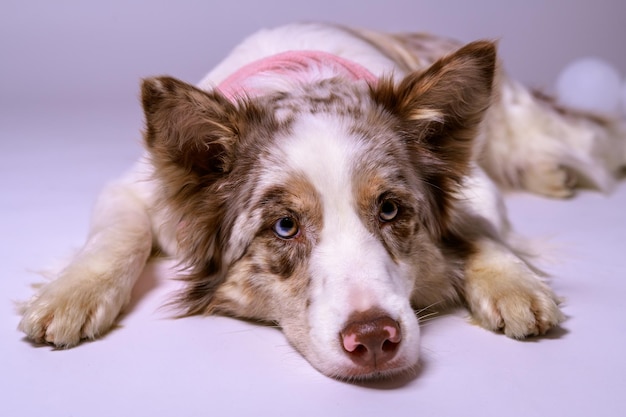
(371,339)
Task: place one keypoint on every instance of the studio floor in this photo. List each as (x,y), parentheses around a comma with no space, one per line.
(152,364)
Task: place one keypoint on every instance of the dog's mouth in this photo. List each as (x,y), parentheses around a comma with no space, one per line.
(398,369)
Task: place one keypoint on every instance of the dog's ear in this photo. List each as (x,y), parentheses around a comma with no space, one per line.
(191,136)
(439,111)
(441,107)
(189,128)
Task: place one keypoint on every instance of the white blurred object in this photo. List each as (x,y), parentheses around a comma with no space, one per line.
(593,85)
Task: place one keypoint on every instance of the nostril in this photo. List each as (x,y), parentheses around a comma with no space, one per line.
(389,346)
(371,340)
(360,350)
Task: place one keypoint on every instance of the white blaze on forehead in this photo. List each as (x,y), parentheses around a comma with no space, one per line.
(348,255)
(321,148)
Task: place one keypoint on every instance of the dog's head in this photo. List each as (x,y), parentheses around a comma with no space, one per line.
(325,209)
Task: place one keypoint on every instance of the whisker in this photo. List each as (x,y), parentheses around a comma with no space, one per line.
(427,308)
(429,317)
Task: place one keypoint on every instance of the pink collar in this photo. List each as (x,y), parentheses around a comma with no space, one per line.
(300,66)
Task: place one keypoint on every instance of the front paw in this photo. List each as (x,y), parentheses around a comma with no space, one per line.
(518,310)
(66,311)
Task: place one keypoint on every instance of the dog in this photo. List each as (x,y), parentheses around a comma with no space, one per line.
(334,181)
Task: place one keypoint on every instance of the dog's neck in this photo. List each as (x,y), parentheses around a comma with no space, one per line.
(282,72)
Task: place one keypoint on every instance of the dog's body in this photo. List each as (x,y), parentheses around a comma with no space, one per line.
(331,181)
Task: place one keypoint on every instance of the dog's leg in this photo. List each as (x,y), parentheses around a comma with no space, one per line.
(88,295)
(504,294)
(531,143)
(501,290)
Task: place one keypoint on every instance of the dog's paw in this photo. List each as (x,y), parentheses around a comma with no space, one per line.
(504,294)
(549,179)
(519,312)
(66,311)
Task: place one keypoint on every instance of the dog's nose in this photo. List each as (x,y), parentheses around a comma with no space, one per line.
(371,340)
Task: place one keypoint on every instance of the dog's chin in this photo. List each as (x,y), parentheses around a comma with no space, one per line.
(362,375)
(399,368)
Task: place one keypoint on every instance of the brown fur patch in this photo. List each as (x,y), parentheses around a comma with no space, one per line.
(439,111)
(194,137)
(332,96)
(296,199)
(375,185)
(270,281)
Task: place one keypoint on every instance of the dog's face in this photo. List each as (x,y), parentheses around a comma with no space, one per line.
(325,209)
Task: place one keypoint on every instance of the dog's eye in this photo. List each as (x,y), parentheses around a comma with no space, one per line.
(286,228)
(388,210)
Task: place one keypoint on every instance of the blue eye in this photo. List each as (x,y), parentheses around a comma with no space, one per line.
(286,228)
(388,210)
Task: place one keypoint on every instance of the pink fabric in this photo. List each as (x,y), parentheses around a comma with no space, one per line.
(294,64)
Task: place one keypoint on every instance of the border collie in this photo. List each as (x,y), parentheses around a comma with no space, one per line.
(335,181)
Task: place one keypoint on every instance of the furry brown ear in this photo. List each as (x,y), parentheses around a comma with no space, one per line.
(190,128)
(191,136)
(439,111)
(443,105)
